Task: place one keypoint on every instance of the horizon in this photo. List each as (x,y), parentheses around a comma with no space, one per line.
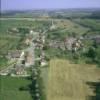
(50,9)
(23,5)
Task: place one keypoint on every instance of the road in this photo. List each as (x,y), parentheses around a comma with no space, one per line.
(31,50)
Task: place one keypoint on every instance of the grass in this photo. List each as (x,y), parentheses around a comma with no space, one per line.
(9,88)
(94,24)
(7,24)
(6,43)
(3,62)
(67,81)
(70,26)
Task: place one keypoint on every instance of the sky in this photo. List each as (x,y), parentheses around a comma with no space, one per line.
(47,4)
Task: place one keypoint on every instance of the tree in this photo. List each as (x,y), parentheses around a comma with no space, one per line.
(91,53)
(98,55)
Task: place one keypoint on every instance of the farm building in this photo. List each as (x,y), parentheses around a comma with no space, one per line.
(14,54)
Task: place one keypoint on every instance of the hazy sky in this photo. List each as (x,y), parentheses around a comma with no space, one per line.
(40,4)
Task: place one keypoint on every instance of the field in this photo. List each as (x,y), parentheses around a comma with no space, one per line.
(93,24)
(9,88)
(12,23)
(68,81)
(72,27)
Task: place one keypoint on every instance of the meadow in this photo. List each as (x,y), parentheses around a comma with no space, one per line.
(10,88)
(93,24)
(71,27)
(10,23)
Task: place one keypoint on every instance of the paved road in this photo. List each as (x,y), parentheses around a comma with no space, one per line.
(31,50)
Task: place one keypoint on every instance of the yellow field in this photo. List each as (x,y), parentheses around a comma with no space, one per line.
(67,81)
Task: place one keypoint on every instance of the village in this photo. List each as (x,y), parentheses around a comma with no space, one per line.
(50,50)
(39,46)
(23,59)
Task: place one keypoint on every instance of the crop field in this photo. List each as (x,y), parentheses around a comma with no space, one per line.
(10,88)
(93,24)
(6,24)
(6,42)
(68,81)
(72,27)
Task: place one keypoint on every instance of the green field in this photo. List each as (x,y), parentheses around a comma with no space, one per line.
(3,62)
(70,26)
(6,42)
(93,24)
(6,24)
(9,88)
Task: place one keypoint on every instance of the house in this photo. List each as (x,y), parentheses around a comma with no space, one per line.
(72,43)
(31,31)
(29,59)
(19,70)
(43,63)
(13,30)
(69,42)
(22,55)
(97,40)
(54,44)
(27,41)
(43,39)
(77,45)
(14,54)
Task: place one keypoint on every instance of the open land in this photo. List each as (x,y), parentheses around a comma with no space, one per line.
(68,81)
(10,88)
